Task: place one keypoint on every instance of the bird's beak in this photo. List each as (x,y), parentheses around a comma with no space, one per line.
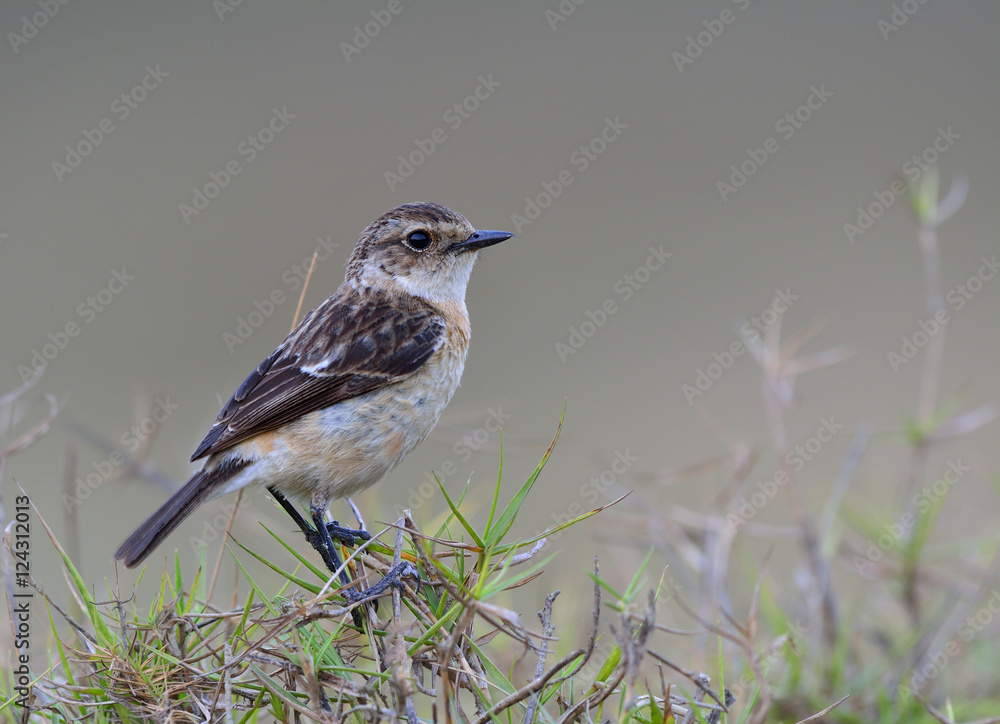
(480,240)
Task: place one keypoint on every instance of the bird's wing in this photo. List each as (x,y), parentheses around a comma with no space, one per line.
(349,345)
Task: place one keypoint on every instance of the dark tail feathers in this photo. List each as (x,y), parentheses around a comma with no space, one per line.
(161,523)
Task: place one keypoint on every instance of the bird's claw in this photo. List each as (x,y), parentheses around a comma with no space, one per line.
(347,536)
(393,579)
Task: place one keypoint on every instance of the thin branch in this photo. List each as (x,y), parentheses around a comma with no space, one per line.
(942,718)
(819,715)
(527,690)
(548,629)
(222,548)
(692,675)
(848,467)
(34,434)
(302,296)
(595,624)
(399,662)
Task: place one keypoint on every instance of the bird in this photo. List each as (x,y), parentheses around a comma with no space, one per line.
(357,385)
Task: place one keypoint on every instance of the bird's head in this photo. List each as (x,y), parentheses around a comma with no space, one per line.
(422,249)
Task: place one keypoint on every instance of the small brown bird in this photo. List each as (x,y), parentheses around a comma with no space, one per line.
(356,386)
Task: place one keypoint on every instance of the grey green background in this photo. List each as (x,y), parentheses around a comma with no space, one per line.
(655,184)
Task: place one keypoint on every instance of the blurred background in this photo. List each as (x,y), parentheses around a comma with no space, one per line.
(672,171)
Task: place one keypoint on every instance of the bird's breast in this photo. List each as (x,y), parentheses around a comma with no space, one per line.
(427,392)
(350,445)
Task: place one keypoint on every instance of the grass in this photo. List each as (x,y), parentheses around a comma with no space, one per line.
(295,652)
(868,617)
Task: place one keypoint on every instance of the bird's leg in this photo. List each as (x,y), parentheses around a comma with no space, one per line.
(394,579)
(325,544)
(346,536)
(292,511)
(328,554)
(318,512)
(321,537)
(321,540)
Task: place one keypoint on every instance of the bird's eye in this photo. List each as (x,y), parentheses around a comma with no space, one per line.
(418,240)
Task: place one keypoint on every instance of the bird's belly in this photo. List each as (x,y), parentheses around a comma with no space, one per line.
(349,446)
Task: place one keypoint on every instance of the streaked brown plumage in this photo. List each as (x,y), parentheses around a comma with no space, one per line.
(357,385)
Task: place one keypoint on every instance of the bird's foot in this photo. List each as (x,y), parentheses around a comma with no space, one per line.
(347,536)
(393,579)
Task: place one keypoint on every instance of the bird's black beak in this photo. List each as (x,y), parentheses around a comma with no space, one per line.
(480,240)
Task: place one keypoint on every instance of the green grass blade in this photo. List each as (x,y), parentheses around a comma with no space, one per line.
(461,518)
(310,587)
(495,534)
(633,585)
(610,664)
(96,620)
(496,490)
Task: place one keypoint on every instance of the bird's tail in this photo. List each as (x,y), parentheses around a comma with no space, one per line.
(161,523)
